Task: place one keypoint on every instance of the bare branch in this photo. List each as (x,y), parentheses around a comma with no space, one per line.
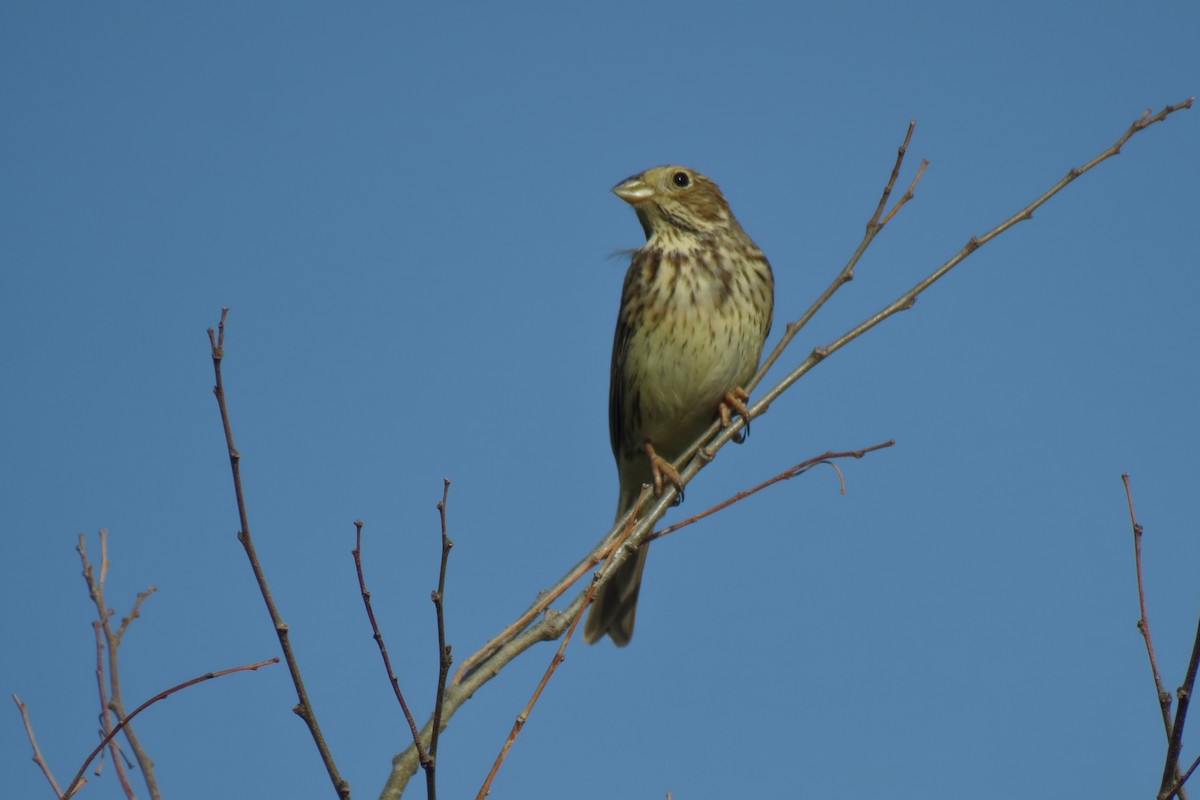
(1164,697)
(559,655)
(1170,783)
(304,708)
(906,300)
(105,718)
(873,227)
(790,472)
(1172,779)
(136,611)
(549,628)
(1177,787)
(444,656)
(78,781)
(112,641)
(37,751)
(378,636)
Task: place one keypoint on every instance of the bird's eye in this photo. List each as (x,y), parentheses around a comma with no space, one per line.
(681,180)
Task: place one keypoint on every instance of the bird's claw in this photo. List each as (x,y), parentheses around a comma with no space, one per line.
(735,399)
(662,469)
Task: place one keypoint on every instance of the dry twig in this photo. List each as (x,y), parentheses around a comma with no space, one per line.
(38,758)
(78,781)
(426,761)
(304,708)
(444,657)
(112,641)
(1172,779)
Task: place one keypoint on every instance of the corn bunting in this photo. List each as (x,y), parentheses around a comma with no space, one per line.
(695,311)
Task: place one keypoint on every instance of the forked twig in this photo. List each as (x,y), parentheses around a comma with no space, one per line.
(383,652)
(906,300)
(1172,779)
(1177,787)
(874,225)
(105,712)
(112,641)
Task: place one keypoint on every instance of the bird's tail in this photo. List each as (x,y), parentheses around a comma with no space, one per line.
(614,609)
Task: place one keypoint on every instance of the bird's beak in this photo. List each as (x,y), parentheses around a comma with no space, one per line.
(633,190)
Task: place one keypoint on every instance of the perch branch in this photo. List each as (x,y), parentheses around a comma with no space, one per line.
(503,649)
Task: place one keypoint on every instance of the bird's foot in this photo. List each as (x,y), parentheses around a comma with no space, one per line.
(735,401)
(662,470)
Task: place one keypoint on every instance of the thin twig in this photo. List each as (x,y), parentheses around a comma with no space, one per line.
(906,300)
(105,718)
(873,222)
(37,751)
(1177,787)
(135,611)
(304,708)
(1164,697)
(78,780)
(112,641)
(445,658)
(1173,780)
(549,628)
(1184,695)
(559,656)
(378,637)
(790,472)
(873,227)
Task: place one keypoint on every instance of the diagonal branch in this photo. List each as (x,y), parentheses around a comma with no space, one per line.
(559,656)
(377,635)
(78,781)
(1177,787)
(1143,624)
(37,751)
(873,228)
(787,474)
(304,708)
(1164,697)
(1170,785)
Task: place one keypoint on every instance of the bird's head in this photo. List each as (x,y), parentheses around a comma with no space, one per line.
(676,202)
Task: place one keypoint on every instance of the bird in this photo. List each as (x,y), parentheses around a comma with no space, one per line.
(695,312)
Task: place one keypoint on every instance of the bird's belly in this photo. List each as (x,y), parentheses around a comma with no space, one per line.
(681,386)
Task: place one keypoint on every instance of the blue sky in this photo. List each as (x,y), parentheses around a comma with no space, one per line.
(407,211)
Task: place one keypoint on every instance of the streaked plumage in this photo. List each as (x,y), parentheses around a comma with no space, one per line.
(695,310)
